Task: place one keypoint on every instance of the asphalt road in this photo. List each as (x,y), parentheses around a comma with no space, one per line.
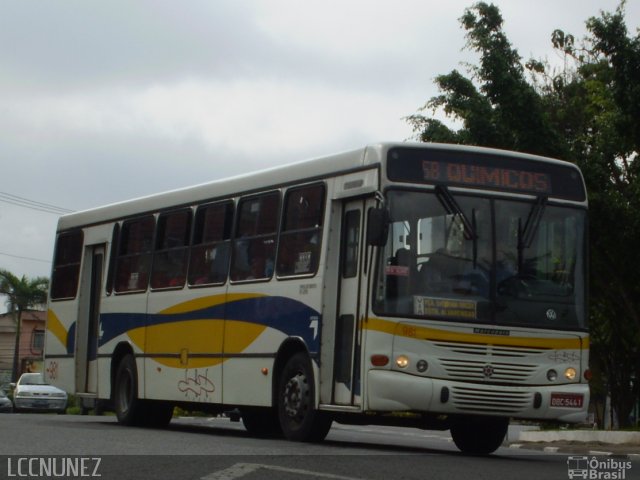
(216,449)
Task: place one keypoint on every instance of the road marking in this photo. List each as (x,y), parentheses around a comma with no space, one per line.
(239,470)
(599,452)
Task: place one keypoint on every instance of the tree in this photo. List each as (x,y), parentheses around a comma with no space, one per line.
(589,113)
(22,294)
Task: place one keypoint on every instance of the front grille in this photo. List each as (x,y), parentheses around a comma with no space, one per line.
(478,370)
(482,349)
(485,400)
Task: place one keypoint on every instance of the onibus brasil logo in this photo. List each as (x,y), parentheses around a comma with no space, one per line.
(598,468)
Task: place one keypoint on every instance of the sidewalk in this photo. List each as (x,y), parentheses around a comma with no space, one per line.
(585,442)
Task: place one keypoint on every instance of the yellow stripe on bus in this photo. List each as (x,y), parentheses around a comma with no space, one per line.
(193,337)
(55,326)
(426,333)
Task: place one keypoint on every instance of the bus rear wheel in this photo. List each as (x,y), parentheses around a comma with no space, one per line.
(299,419)
(125,395)
(479,435)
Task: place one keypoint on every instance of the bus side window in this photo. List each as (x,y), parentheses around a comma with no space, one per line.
(301,234)
(211,244)
(134,255)
(66,265)
(254,244)
(170,257)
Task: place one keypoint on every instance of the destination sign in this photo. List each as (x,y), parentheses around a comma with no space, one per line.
(485,177)
(485,170)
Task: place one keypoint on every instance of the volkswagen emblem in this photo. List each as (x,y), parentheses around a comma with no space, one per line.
(551,314)
(487,371)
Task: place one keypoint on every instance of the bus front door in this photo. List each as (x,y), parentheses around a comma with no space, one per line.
(88,320)
(346,376)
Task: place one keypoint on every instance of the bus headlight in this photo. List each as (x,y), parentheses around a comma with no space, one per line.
(552,375)
(402,361)
(570,373)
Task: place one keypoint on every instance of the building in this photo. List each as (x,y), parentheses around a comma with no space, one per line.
(31,343)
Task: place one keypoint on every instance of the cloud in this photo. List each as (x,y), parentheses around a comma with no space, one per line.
(260,116)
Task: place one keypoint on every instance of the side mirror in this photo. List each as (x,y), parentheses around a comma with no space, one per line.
(377,227)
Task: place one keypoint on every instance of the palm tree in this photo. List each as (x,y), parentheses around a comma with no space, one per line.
(22,294)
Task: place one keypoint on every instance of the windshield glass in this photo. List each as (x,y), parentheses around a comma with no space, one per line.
(539,270)
(32,379)
(480,260)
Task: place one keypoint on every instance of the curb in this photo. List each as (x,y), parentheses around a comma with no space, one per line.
(629,439)
(576,449)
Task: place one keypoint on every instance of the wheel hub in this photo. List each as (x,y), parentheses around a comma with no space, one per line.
(296,393)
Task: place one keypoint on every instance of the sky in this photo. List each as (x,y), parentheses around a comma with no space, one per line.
(103,101)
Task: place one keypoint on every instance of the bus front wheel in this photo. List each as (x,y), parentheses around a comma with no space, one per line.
(299,419)
(479,435)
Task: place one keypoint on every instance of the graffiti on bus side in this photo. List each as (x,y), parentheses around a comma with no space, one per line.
(196,385)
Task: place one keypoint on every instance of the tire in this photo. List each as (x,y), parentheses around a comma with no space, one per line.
(299,419)
(479,435)
(125,392)
(262,423)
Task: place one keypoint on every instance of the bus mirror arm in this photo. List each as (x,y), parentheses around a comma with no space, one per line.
(377,226)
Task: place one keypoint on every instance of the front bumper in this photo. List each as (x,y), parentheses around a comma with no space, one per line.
(395,391)
(57,404)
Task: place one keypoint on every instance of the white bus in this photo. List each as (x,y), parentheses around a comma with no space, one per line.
(427,285)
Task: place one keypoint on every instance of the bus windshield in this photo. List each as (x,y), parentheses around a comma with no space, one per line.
(484,260)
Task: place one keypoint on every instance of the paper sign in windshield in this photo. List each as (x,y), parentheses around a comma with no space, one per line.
(445,307)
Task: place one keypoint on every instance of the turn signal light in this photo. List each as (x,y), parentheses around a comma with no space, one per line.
(588,375)
(379,360)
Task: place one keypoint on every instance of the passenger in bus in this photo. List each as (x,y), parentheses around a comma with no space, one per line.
(260,260)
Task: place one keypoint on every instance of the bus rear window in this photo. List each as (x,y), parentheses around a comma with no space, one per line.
(66,266)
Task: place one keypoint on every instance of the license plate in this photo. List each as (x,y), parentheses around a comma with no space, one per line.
(567,400)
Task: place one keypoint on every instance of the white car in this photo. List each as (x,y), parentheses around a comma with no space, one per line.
(32,393)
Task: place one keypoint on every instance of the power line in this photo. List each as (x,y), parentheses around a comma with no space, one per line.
(25,258)
(32,204)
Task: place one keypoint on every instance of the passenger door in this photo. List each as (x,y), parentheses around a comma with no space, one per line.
(346,370)
(88,330)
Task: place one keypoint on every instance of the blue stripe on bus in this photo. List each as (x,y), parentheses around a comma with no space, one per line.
(289,316)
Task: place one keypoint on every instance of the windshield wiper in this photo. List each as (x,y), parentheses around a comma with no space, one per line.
(528,233)
(451,206)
